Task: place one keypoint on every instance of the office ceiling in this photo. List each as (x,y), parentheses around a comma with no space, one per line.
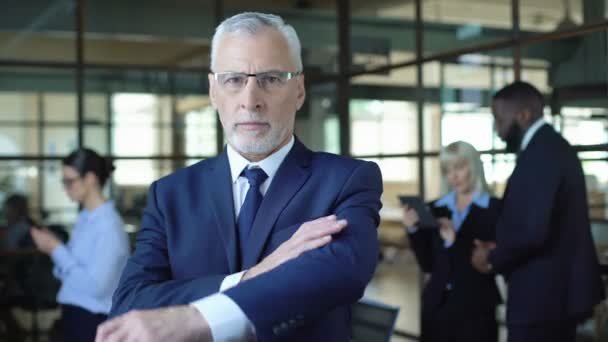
(176,32)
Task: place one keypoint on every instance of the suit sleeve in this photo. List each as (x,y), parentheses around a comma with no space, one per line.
(422,245)
(322,279)
(524,225)
(146,281)
(487,232)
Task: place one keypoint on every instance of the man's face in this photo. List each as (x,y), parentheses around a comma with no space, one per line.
(506,125)
(257,120)
(502,119)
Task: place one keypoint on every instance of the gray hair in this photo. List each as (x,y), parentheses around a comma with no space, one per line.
(252,23)
(468,153)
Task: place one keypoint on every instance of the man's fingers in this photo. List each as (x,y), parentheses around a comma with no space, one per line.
(154,325)
(122,334)
(329,229)
(311,235)
(312,244)
(301,248)
(128,327)
(329,223)
(318,230)
(322,219)
(106,329)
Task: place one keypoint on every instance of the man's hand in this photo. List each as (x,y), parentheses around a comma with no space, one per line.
(175,323)
(310,235)
(479,259)
(44,239)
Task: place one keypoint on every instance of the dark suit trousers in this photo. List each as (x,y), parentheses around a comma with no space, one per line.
(446,324)
(561,331)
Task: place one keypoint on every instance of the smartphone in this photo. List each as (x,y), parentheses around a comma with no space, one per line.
(441,212)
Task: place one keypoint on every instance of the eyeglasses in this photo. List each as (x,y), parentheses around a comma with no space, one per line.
(67,182)
(268,81)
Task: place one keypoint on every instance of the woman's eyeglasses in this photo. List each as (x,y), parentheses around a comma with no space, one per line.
(67,182)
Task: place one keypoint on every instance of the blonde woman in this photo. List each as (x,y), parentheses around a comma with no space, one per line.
(458,303)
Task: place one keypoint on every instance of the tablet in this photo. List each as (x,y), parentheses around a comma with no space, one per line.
(427,220)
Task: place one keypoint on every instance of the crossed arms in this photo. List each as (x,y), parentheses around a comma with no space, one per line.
(326,263)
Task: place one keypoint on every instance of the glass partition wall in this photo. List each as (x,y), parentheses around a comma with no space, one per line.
(388,81)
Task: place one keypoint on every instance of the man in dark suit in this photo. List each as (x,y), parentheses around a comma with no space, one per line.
(544,245)
(226,269)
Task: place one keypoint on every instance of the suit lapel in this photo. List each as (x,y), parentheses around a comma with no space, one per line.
(222,205)
(290,177)
(521,156)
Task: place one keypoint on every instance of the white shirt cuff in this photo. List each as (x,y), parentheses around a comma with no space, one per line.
(231,281)
(225,318)
(412,229)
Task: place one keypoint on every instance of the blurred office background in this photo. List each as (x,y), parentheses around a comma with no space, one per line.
(387,80)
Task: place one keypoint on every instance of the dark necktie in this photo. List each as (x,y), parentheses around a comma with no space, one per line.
(253,199)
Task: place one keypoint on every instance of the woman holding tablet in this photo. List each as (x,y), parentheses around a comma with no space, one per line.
(458,303)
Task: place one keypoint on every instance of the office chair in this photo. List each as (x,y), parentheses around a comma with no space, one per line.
(372,321)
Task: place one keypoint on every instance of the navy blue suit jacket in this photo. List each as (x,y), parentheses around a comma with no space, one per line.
(545,248)
(188,244)
(473,294)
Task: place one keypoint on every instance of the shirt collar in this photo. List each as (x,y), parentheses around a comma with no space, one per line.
(99,210)
(270,164)
(530,133)
(481,200)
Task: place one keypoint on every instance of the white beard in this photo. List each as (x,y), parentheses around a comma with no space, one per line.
(253,144)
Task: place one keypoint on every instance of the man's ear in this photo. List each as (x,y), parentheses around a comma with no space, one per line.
(212,90)
(301,96)
(524,117)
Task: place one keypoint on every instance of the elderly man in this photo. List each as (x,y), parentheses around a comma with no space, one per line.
(267,241)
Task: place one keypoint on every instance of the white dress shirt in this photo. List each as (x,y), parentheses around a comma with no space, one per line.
(530,133)
(225,318)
